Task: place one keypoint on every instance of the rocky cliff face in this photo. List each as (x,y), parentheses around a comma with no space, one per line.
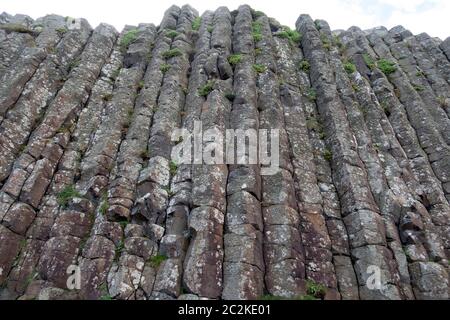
(88,189)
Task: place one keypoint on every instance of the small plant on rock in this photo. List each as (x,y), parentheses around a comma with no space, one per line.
(196,23)
(67,194)
(164,67)
(257,31)
(316,290)
(156,261)
(171,34)
(327,154)
(173,167)
(368,61)
(304,65)
(234,59)
(259,68)
(172,53)
(386,66)
(128,38)
(61,30)
(206,89)
(312,95)
(119,248)
(293,36)
(349,67)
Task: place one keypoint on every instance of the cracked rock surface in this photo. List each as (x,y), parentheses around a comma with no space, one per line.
(93,207)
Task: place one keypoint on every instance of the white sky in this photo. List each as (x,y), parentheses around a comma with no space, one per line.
(431,16)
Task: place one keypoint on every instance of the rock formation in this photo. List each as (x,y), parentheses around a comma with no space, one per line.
(88,188)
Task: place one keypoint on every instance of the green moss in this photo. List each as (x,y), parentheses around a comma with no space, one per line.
(104,290)
(257,31)
(349,67)
(128,38)
(418,88)
(173,167)
(67,194)
(156,261)
(259,68)
(104,206)
(304,65)
(171,34)
(386,66)
(311,94)
(327,154)
(368,61)
(257,14)
(234,59)
(313,125)
(61,30)
(164,67)
(325,42)
(172,53)
(206,89)
(210,29)
(315,290)
(119,250)
(293,35)
(420,73)
(196,23)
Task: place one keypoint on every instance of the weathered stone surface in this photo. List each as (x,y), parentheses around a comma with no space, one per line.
(87,177)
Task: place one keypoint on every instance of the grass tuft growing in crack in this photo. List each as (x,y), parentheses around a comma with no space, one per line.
(128,38)
(386,66)
(259,68)
(234,59)
(156,261)
(67,194)
(172,53)
(196,23)
(206,89)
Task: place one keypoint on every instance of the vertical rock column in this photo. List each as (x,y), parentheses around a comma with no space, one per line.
(30,176)
(407,62)
(323,232)
(203,265)
(46,143)
(426,70)
(283,250)
(175,241)
(429,136)
(29,109)
(243,260)
(419,239)
(361,214)
(380,187)
(14,79)
(166,272)
(404,198)
(437,55)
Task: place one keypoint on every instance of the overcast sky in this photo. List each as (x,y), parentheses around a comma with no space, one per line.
(431,16)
